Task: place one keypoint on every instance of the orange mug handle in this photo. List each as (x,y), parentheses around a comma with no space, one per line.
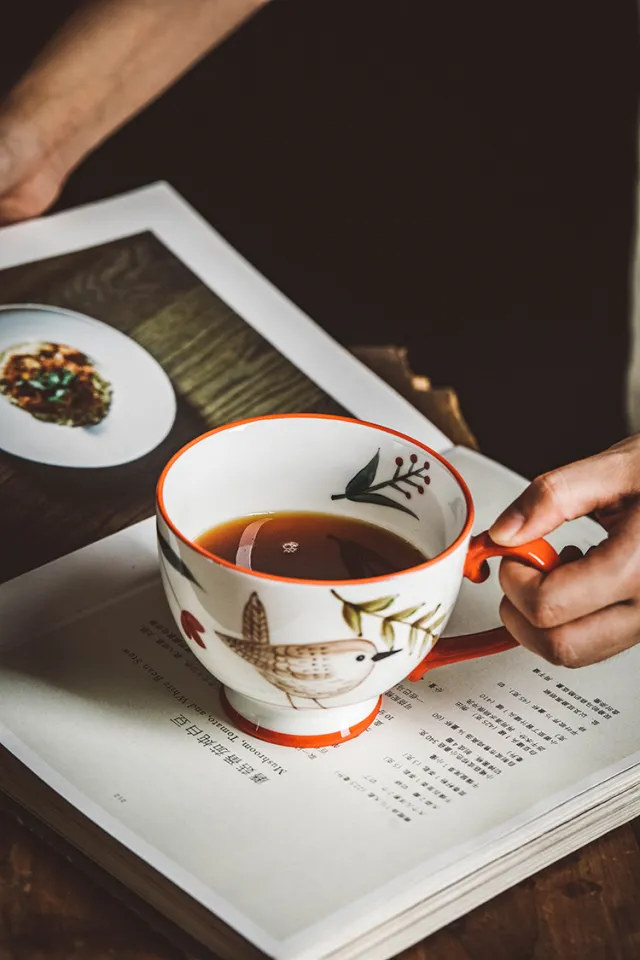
(537,553)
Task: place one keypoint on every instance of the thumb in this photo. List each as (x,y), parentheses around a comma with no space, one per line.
(565,494)
(29,181)
(8,165)
(20,148)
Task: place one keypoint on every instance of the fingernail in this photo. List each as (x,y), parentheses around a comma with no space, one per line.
(506,527)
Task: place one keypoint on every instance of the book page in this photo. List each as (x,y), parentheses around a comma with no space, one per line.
(118,707)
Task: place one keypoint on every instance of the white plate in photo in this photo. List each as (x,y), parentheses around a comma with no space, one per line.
(133,388)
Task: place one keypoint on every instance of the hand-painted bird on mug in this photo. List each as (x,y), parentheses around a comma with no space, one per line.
(313,671)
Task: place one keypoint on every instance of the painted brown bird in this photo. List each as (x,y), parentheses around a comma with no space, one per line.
(313,671)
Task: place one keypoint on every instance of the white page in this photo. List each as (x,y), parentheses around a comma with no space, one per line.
(108,719)
(137,739)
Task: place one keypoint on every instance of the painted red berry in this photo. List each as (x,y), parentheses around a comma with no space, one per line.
(427,480)
(413,458)
(192,628)
(399,461)
(420,489)
(426,465)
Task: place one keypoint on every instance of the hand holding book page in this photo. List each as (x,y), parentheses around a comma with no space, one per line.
(588,609)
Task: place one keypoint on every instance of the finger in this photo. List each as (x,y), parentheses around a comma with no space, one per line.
(567,493)
(607,575)
(581,642)
(570,554)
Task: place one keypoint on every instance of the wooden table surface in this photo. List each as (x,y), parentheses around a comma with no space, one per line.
(586,907)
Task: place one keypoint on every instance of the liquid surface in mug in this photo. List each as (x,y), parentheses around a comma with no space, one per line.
(311,546)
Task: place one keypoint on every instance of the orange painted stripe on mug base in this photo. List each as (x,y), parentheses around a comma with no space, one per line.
(293,740)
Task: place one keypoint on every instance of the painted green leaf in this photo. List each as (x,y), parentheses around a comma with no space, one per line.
(374,606)
(381,500)
(424,620)
(174,560)
(425,643)
(414,637)
(363,478)
(405,614)
(352,618)
(387,634)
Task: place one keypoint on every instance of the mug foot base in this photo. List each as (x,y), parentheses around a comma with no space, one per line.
(298,728)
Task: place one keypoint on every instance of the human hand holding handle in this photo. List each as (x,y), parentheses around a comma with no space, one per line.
(538,553)
(582,609)
(588,609)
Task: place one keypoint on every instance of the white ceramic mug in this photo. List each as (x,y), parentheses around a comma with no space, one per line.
(305,662)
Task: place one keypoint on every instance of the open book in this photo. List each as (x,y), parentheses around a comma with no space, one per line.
(112,733)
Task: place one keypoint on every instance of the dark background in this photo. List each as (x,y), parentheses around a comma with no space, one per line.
(455,177)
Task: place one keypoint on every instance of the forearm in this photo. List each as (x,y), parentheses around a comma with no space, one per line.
(110,60)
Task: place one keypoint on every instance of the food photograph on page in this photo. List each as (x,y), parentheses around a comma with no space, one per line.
(111,359)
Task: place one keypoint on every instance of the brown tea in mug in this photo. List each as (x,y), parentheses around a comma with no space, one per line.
(311,546)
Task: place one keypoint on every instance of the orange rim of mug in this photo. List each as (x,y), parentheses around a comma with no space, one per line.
(466,529)
(308,741)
